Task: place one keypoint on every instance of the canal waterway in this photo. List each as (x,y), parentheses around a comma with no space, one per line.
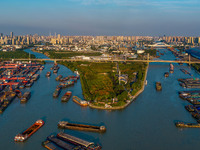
(148,123)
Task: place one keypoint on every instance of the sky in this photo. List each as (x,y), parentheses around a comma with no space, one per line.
(101,17)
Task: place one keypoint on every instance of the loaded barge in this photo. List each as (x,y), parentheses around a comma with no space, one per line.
(27,133)
(73,126)
(79,142)
(80,101)
(190,83)
(49,145)
(61,143)
(25,97)
(66,96)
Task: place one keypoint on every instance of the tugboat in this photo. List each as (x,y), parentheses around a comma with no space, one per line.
(158,86)
(80,101)
(67,96)
(27,133)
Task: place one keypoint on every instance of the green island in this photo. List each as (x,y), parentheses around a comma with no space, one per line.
(110,85)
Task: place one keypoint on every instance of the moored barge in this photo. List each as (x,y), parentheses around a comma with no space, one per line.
(83,127)
(80,101)
(78,141)
(27,133)
(25,97)
(187,125)
(49,145)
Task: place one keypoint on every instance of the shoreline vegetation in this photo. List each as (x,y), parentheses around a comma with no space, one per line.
(15,54)
(101,85)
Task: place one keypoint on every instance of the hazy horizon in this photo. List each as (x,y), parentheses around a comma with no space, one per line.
(98,17)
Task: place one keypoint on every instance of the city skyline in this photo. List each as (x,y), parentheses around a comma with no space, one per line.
(97,17)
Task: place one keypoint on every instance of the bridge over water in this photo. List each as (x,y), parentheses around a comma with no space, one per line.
(113,60)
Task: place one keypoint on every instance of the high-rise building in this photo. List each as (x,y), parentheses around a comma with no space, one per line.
(59,36)
(11,34)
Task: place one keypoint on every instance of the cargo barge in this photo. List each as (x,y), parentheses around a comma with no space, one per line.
(80,101)
(166,74)
(27,133)
(35,77)
(66,96)
(158,86)
(62,144)
(49,145)
(57,92)
(75,126)
(190,83)
(48,74)
(25,97)
(7,101)
(78,141)
(187,125)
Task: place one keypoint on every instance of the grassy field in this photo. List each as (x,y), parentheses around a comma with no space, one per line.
(100,82)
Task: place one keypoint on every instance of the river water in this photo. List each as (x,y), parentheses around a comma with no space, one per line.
(148,123)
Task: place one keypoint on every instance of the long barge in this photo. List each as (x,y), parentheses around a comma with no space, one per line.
(80,101)
(83,127)
(27,133)
(187,125)
(78,141)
